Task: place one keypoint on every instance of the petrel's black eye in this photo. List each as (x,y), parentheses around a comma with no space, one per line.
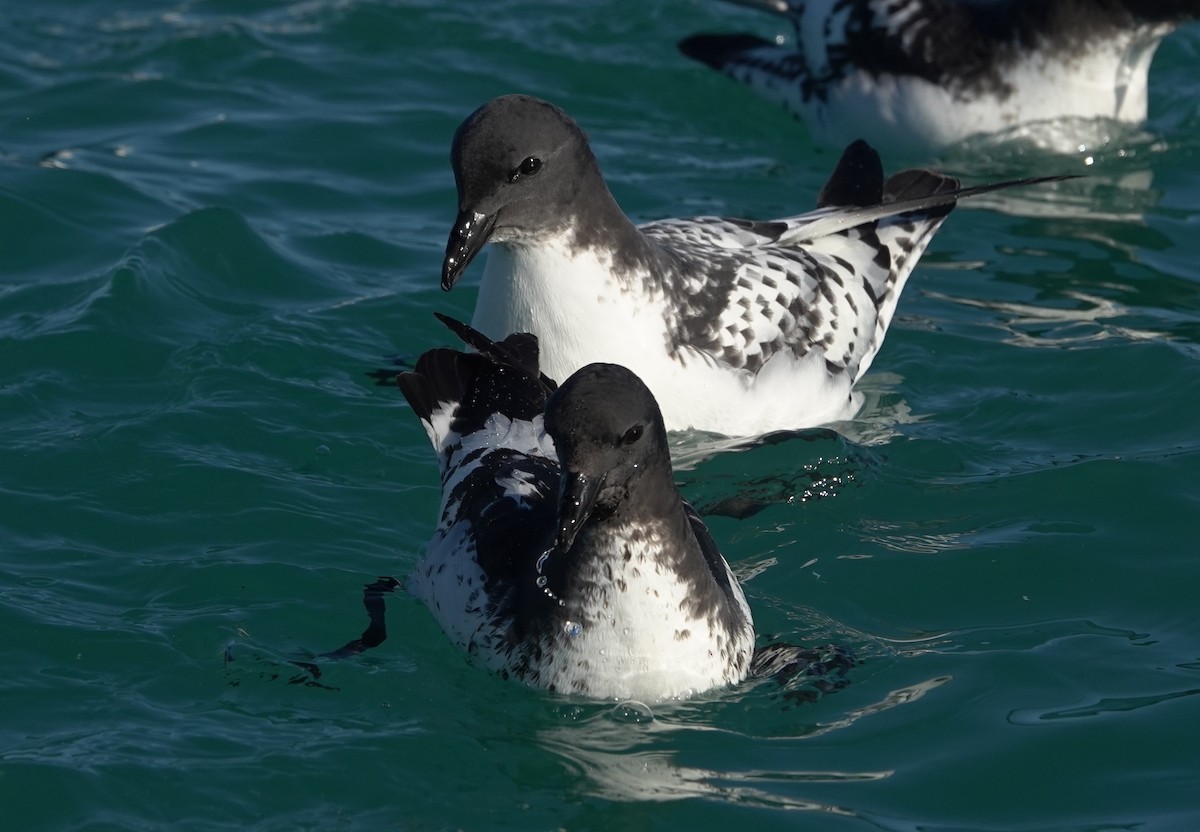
(527,168)
(632,435)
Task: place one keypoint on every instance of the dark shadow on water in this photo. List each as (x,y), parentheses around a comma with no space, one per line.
(373,636)
(802,674)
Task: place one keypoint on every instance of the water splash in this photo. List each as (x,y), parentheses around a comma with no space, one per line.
(542,581)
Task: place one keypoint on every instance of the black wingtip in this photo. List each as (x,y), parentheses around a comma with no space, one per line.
(916,182)
(466,333)
(857,181)
(518,350)
(418,389)
(975,190)
(718,50)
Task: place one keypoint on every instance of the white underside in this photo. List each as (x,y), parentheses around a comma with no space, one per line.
(908,113)
(631,638)
(579,319)
(642,644)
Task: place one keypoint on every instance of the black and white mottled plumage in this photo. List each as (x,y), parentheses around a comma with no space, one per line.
(738,327)
(564,555)
(925,74)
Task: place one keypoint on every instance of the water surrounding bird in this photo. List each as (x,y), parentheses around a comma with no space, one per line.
(925,74)
(739,327)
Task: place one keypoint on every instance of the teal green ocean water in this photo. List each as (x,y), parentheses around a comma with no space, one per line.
(216,217)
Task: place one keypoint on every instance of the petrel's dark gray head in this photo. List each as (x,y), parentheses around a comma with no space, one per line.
(518,164)
(612,446)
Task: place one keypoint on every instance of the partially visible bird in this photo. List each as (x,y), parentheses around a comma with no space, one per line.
(920,75)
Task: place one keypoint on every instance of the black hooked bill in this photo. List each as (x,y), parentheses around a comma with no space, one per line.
(471,230)
(577,499)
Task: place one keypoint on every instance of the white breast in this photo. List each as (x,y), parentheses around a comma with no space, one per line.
(633,637)
(581,315)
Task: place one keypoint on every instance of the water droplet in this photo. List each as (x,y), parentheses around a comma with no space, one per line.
(542,581)
(572,628)
(633,712)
